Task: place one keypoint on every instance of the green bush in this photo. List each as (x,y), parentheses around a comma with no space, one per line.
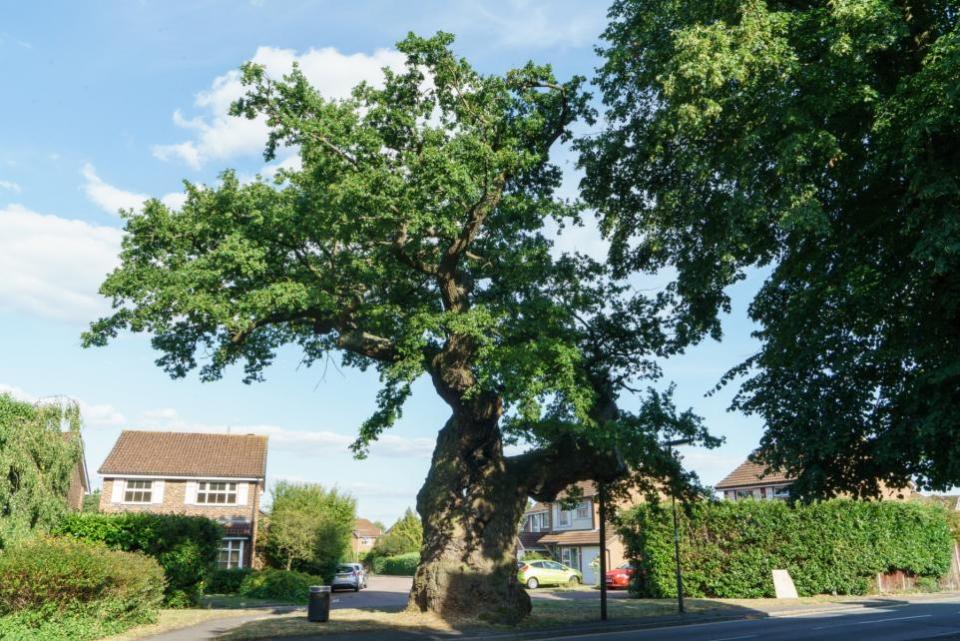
(226,581)
(279,585)
(728,549)
(399,565)
(55,589)
(185,546)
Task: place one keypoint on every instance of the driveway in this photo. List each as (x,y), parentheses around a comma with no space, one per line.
(381,592)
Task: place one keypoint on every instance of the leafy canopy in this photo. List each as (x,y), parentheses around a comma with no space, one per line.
(820,140)
(37,461)
(309,527)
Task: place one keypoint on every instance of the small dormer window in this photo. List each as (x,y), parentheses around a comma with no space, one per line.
(216,493)
(583,510)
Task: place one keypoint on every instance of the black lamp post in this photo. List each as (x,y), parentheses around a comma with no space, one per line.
(602,497)
(676,530)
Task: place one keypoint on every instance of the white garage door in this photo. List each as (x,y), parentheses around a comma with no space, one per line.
(587,555)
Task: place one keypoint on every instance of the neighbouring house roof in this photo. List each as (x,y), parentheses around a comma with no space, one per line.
(575,537)
(363,527)
(748,474)
(187,454)
(531,540)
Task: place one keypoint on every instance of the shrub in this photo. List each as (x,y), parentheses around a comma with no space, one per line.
(226,581)
(185,546)
(399,565)
(66,589)
(279,585)
(728,549)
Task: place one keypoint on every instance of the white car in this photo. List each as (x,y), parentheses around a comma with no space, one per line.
(360,569)
(348,576)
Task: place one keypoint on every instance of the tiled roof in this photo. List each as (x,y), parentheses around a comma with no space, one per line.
(749,473)
(588,488)
(363,527)
(531,540)
(575,537)
(187,454)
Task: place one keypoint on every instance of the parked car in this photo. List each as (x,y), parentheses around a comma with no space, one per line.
(619,577)
(537,573)
(347,576)
(363,572)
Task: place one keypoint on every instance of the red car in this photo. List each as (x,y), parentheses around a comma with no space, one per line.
(620,576)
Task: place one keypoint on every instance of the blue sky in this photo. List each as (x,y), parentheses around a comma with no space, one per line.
(110,102)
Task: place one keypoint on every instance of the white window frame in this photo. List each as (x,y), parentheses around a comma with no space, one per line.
(537,522)
(203,490)
(228,545)
(148,491)
(567,556)
(584,507)
(564,518)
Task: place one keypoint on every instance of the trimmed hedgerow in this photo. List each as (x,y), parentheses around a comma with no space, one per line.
(398,565)
(185,546)
(288,586)
(226,581)
(728,549)
(70,590)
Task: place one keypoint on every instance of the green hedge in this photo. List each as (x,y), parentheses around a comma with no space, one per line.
(226,581)
(185,546)
(728,549)
(279,585)
(69,590)
(399,565)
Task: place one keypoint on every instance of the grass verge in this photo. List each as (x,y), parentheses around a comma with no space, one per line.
(169,620)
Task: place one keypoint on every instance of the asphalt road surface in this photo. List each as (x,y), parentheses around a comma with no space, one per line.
(381,592)
(907,622)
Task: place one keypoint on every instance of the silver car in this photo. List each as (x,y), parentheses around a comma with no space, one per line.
(347,576)
(363,572)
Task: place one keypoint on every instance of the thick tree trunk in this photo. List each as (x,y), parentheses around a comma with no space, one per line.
(471,505)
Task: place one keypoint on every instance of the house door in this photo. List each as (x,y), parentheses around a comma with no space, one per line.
(588,554)
(571,558)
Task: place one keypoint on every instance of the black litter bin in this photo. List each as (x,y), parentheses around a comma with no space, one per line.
(318,609)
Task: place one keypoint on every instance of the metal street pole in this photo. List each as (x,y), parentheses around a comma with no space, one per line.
(676,528)
(602,495)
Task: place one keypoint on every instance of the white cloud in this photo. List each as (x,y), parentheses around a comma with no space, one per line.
(109,198)
(9,185)
(217,135)
(93,414)
(53,266)
(301,442)
(112,199)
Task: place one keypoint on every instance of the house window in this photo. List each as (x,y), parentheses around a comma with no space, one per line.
(583,510)
(566,518)
(571,557)
(216,493)
(744,494)
(537,522)
(781,493)
(138,491)
(231,554)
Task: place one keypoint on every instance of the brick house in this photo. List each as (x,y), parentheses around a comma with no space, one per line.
(365,535)
(570,536)
(220,476)
(750,480)
(80,479)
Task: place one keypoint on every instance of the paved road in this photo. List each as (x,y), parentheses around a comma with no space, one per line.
(381,592)
(907,622)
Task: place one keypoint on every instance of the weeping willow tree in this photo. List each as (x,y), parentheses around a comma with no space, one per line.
(37,460)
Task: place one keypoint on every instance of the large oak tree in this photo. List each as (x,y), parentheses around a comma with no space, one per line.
(820,140)
(411,241)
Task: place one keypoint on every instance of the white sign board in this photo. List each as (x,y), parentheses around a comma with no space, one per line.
(783,585)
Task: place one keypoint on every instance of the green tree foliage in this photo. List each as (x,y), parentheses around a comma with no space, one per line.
(310,528)
(821,141)
(279,585)
(412,241)
(396,565)
(728,549)
(91,502)
(405,536)
(69,590)
(185,546)
(36,464)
